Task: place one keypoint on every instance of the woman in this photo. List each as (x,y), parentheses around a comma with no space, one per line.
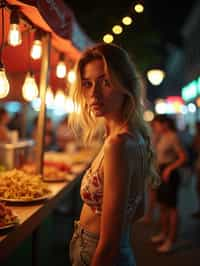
(108,91)
(170,157)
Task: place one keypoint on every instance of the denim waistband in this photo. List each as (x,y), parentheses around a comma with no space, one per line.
(79,230)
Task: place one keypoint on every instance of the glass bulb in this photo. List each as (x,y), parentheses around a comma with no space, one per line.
(108,38)
(30,88)
(36,50)
(59,101)
(155,76)
(4,84)
(117,29)
(61,69)
(49,98)
(71,76)
(139,8)
(14,35)
(127,20)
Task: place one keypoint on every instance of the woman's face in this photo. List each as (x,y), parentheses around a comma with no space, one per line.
(102,98)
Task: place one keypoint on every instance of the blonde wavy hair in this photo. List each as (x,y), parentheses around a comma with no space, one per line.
(123,75)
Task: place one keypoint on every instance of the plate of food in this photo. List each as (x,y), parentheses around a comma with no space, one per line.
(8,218)
(52,174)
(17,186)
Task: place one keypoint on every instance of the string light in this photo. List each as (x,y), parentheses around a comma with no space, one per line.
(14,35)
(4,84)
(36,49)
(30,88)
(71,76)
(127,20)
(155,76)
(108,38)
(139,8)
(61,67)
(117,29)
(49,98)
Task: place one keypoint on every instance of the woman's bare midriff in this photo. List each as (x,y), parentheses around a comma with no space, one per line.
(89,220)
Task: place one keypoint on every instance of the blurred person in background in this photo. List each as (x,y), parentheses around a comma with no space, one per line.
(170,157)
(4,120)
(108,89)
(64,136)
(15,123)
(196,156)
(49,134)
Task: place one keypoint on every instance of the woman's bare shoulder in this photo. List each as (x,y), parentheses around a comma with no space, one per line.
(117,144)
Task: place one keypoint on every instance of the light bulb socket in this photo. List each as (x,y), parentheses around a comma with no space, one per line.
(2,3)
(14,16)
(62,57)
(31,74)
(1,65)
(38,35)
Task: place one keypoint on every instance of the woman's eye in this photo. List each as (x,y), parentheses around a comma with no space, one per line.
(105,82)
(86,84)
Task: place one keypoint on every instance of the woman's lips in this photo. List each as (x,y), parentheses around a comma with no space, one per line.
(96,105)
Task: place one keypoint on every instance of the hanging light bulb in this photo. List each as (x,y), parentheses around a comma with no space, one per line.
(138,7)
(36,50)
(4,84)
(61,67)
(59,101)
(49,98)
(108,38)
(117,29)
(127,20)
(30,88)
(155,76)
(14,35)
(71,76)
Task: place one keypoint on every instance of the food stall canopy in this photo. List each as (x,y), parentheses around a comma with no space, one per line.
(54,17)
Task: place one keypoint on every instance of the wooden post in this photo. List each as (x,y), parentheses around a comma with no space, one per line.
(44,78)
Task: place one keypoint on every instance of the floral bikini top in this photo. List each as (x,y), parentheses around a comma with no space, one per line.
(92,183)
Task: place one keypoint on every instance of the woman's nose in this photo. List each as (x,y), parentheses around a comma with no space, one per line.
(95,88)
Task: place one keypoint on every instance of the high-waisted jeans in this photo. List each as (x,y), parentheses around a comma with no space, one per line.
(84,243)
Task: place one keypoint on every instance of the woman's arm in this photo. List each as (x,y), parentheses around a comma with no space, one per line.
(116,183)
(180,160)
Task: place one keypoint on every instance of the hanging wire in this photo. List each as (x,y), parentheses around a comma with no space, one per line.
(2,5)
(29,46)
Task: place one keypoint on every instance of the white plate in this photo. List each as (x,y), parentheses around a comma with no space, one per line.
(26,200)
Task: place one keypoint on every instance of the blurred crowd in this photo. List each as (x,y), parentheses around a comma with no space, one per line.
(177,156)
(57,136)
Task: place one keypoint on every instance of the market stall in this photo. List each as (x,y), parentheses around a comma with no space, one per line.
(59,36)
(31,212)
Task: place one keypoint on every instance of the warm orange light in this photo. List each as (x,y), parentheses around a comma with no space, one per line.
(117,29)
(108,38)
(127,20)
(139,8)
